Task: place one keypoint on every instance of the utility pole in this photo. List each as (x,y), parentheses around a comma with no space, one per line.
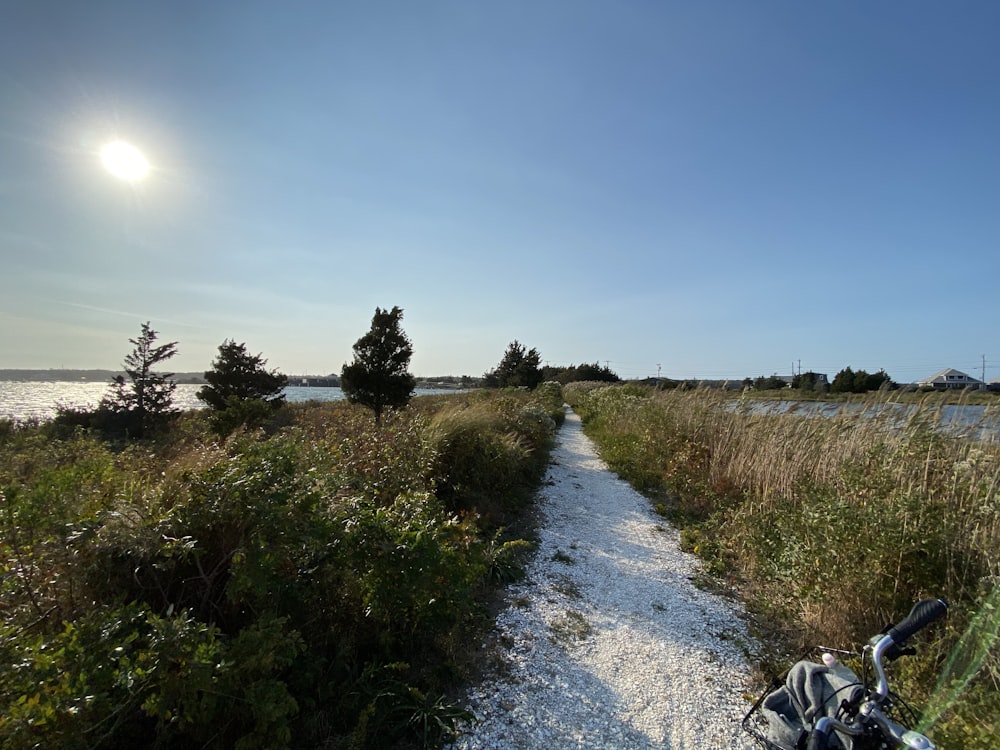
(984,371)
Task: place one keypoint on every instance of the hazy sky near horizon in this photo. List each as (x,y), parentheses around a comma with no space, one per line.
(716,188)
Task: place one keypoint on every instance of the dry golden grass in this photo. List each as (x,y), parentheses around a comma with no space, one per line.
(831,526)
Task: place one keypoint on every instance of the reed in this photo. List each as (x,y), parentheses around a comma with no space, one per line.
(832,525)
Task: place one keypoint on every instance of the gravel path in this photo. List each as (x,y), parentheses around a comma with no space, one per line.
(607,643)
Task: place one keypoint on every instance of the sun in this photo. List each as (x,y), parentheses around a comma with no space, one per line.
(124,161)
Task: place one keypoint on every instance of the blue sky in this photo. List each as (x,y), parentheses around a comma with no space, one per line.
(719,189)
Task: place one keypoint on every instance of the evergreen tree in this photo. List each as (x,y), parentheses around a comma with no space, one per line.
(849,381)
(770,383)
(809,381)
(865,382)
(843,381)
(518,368)
(237,373)
(240,390)
(378,376)
(145,400)
(576,373)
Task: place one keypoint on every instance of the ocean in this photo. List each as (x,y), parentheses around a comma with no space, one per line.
(40,399)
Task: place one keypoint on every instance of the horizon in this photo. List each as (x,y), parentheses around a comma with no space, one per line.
(440,376)
(704,191)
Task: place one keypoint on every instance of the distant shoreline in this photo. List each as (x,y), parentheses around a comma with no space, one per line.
(62,375)
(105,376)
(83,376)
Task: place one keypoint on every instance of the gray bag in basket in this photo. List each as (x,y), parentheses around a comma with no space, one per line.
(810,692)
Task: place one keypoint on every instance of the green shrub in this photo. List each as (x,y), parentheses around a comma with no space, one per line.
(481,466)
(417,566)
(250,413)
(104,678)
(187,592)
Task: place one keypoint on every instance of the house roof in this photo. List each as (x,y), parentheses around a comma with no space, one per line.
(948,375)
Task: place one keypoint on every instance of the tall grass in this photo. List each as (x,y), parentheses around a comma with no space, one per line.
(831,525)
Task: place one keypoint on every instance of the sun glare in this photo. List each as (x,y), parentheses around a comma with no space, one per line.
(124,161)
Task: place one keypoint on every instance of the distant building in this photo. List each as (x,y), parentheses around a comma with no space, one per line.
(993,385)
(949,378)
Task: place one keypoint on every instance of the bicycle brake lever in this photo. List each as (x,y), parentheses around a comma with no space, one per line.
(895,652)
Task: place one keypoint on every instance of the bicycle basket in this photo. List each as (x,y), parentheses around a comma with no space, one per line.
(757,721)
(781,718)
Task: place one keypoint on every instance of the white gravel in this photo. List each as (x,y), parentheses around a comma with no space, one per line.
(607,643)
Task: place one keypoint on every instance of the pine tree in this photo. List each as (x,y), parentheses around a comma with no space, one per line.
(241,390)
(145,400)
(238,374)
(378,376)
(518,368)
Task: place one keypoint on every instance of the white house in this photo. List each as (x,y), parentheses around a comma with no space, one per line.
(949,378)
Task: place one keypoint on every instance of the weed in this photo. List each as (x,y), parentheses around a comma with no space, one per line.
(568,588)
(562,557)
(570,627)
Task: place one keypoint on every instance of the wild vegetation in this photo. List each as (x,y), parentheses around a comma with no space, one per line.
(845,381)
(832,526)
(317,583)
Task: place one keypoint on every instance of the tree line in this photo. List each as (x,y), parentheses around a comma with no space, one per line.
(241,391)
(847,380)
(521,368)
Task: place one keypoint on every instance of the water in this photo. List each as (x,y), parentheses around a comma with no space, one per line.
(971,421)
(40,399)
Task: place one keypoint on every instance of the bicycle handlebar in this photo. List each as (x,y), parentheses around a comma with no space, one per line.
(923,614)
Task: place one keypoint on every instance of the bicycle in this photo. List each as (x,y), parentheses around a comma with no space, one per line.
(825,706)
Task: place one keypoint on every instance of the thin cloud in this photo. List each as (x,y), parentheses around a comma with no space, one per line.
(126,314)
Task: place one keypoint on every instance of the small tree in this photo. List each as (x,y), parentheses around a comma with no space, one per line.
(378,376)
(809,381)
(849,381)
(584,372)
(843,381)
(240,389)
(770,383)
(519,367)
(874,381)
(145,400)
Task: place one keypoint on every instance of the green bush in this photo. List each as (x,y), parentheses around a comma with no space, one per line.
(490,455)
(416,565)
(186,592)
(250,413)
